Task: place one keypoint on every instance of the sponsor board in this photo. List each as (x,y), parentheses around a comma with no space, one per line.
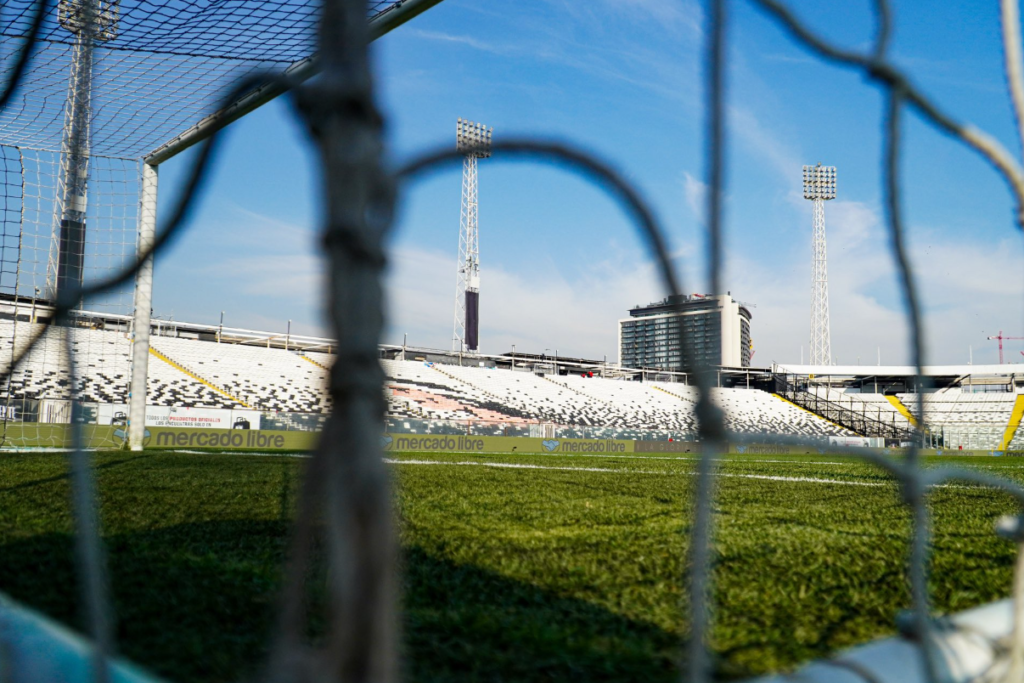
(42,435)
(169,416)
(444,443)
(166,416)
(850,441)
(769,449)
(230,439)
(665,447)
(35,435)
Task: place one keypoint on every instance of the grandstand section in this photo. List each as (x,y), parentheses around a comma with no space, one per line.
(964,406)
(283,379)
(970,420)
(594,406)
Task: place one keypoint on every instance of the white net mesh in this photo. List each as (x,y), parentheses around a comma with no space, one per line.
(38,393)
(164,71)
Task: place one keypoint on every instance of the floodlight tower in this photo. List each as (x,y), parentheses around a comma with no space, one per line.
(819,187)
(475,140)
(90,21)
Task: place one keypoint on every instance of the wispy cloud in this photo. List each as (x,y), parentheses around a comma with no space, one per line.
(867,314)
(695,192)
(662,65)
(469,41)
(686,16)
(748,128)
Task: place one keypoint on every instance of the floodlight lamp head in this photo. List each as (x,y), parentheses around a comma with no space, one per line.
(819,182)
(473,138)
(71,14)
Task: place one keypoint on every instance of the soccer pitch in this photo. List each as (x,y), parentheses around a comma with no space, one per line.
(514,567)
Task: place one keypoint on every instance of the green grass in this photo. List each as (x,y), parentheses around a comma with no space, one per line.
(510,573)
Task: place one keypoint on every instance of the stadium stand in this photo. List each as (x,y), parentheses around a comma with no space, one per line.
(971,420)
(425,397)
(102,364)
(268,379)
(423,390)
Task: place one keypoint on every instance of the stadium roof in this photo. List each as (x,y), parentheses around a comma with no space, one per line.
(167,67)
(1005,370)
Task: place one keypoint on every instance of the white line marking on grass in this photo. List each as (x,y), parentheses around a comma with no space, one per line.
(507,465)
(523,466)
(269,454)
(605,470)
(695,458)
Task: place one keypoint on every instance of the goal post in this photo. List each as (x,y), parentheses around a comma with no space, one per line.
(143,309)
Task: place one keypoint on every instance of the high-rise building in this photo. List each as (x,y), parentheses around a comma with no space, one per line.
(718,327)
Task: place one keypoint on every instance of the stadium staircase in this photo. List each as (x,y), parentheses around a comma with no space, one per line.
(832,411)
(670,393)
(485,392)
(595,399)
(207,383)
(1015,418)
(314,362)
(903,410)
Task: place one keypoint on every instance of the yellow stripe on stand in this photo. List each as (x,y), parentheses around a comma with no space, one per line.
(672,394)
(903,410)
(314,362)
(1015,417)
(178,366)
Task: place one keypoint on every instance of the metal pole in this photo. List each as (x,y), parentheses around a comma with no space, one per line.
(67,272)
(220,328)
(143,312)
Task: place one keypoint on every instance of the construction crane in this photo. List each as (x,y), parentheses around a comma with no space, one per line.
(1000,337)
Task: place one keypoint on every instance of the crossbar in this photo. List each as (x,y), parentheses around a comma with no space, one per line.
(298,72)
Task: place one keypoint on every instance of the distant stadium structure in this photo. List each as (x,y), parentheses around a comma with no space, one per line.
(718,326)
(819,187)
(65,138)
(210,376)
(474,139)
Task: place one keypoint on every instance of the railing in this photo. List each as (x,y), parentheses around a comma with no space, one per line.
(859,420)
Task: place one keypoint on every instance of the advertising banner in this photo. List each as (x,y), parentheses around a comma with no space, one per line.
(206,418)
(853,441)
(447,443)
(38,435)
(229,439)
(167,416)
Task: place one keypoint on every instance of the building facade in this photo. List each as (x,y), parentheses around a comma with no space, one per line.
(718,327)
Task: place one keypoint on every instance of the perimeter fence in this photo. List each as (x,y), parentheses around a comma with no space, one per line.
(346,485)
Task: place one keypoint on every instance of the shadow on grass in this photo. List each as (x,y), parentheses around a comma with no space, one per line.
(192,602)
(465,623)
(67,475)
(196,602)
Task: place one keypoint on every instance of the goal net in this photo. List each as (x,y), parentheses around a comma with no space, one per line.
(74,140)
(36,398)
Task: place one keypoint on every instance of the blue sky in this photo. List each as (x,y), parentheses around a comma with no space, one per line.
(622,78)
